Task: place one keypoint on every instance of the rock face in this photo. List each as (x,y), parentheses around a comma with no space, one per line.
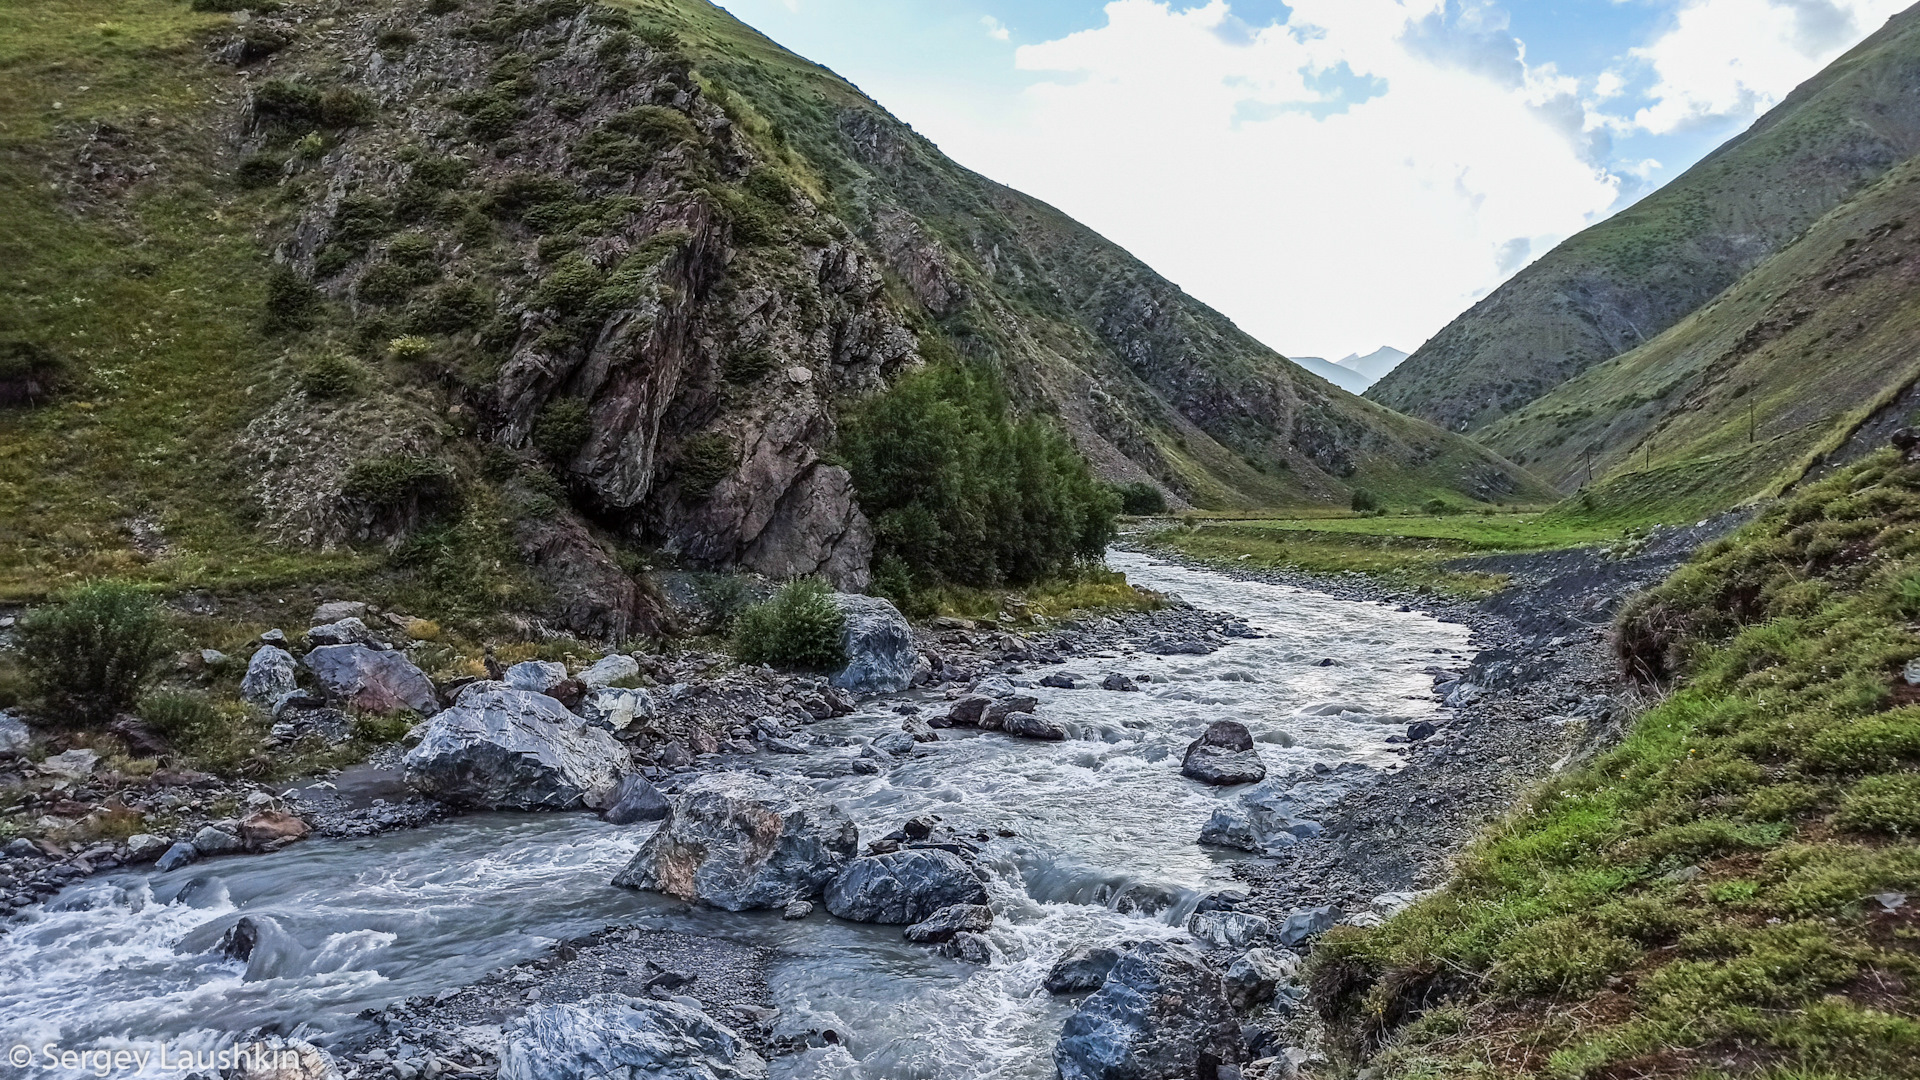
(738,842)
(881,653)
(1224,756)
(369,679)
(903,887)
(1162,1013)
(514,750)
(611,1037)
(269,677)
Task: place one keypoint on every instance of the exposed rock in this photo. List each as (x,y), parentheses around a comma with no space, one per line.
(609,669)
(212,841)
(797,910)
(881,652)
(145,847)
(335,610)
(967,711)
(897,743)
(1224,755)
(738,842)
(536,676)
(348,631)
(1302,925)
(993,686)
(270,827)
(996,714)
(1117,681)
(270,676)
(948,921)
(968,948)
(177,856)
(73,764)
(1029,726)
(617,710)
(903,887)
(612,1037)
(515,750)
(373,680)
(277,1058)
(636,800)
(14,735)
(919,729)
(1081,970)
(1162,1013)
(1227,929)
(817,530)
(1058,681)
(588,593)
(1254,977)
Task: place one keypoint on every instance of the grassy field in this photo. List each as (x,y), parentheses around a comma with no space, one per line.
(1704,899)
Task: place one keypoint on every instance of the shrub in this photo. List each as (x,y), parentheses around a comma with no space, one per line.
(291,302)
(395,41)
(799,628)
(961,492)
(1438,507)
(258,171)
(568,288)
(343,108)
(1888,804)
(92,652)
(409,347)
(1364,501)
(721,596)
(404,485)
(448,308)
(389,282)
(30,373)
(331,377)
(285,103)
(705,460)
(1141,499)
(562,428)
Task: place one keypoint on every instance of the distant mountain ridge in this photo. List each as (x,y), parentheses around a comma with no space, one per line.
(1339,375)
(1375,365)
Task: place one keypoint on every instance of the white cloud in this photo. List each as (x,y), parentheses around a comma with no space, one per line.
(994,30)
(1734,59)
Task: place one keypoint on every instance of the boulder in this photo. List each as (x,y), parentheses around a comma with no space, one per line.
(968,948)
(268,827)
(537,676)
(738,842)
(1058,681)
(278,1058)
(1224,755)
(14,735)
(73,764)
(1117,681)
(993,686)
(967,711)
(373,680)
(1080,970)
(1311,922)
(145,847)
(1420,730)
(348,631)
(269,677)
(334,610)
(897,743)
(514,750)
(212,841)
(636,800)
(1162,1013)
(948,921)
(996,714)
(797,910)
(1254,977)
(608,670)
(616,710)
(1029,726)
(176,857)
(903,886)
(1227,929)
(881,653)
(613,1037)
(919,729)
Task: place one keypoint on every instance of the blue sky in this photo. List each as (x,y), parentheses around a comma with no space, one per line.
(1333,174)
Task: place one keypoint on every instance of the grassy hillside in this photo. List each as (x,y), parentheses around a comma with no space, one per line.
(1740,396)
(1724,894)
(1622,282)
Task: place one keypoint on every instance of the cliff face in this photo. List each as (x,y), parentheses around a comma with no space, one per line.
(1622,282)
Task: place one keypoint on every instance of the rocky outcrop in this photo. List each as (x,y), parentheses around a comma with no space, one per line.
(372,680)
(817,530)
(1224,756)
(504,749)
(880,647)
(738,842)
(270,676)
(613,1037)
(903,887)
(1162,1013)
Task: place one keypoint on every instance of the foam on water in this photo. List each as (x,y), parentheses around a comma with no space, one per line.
(1103,851)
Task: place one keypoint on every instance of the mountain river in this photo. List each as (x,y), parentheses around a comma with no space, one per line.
(127,959)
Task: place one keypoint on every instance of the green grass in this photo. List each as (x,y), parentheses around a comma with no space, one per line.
(1697,901)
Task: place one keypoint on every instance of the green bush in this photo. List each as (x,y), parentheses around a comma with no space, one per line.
(92,652)
(722,596)
(562,428)
(258,171)
(1364,501)
(1141,499)
(403,484)
(291,303)
(961,492)
(285,103)
(331,377)
(705,460)
(1889,804)
(799,628)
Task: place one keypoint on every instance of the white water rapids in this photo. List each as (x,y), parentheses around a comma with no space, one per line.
(122,959)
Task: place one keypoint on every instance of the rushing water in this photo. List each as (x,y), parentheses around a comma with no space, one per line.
(130,958)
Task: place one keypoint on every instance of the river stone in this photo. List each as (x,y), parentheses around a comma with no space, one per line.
(897,743)
(537,676)
(903,887)
(177,856)
(1224,755)
(968,948)
(348,631)
(996,714)
(948,921)
(612,1037)
(1227,929)
(1161,1013)
(608,670)
(1058,681)
(1028,726)
(269,677)
(514,750)
(1080,970)
(14,735)
(212,841)
(373,680)
(919,729)
(993,686)
(145,847)
(264,827)
(1254,977)
(615,709)
(1302,925)
(636,800)
(738,842)
(967,711)
(1117,681)
(881,653)
(277,1058)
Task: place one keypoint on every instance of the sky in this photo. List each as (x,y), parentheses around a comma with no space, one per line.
(1334,175)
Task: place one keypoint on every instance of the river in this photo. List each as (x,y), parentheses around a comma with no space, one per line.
(124,958)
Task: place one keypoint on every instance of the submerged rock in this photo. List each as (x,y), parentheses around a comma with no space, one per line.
(1161,1013)
(948,921)
(612,1037)
(1224,756)
(373,680)
(903,886)
(738,842)
(881,653)
(515,750)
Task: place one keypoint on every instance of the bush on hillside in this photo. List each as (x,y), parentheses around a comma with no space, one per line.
(30,374)
(331,377)
(1364,501)
(799,628)
(562,428)
(291,303)
(1141,499)
(960,491)
(92,652)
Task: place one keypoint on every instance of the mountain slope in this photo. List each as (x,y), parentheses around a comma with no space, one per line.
(1345,378)
(1620,283)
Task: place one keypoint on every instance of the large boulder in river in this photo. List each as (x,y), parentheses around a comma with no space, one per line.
(1223,756)
(613,1037)
(881,654)
(373,680)
(738,842)
(636,800)
(1161,1014)
(502,749)
(903,886)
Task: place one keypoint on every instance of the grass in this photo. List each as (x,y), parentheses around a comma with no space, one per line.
(1092,591)
(1698,901)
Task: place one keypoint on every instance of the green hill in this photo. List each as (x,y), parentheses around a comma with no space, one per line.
(1619,284)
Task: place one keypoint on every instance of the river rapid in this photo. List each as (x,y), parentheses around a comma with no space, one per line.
(1103,851)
